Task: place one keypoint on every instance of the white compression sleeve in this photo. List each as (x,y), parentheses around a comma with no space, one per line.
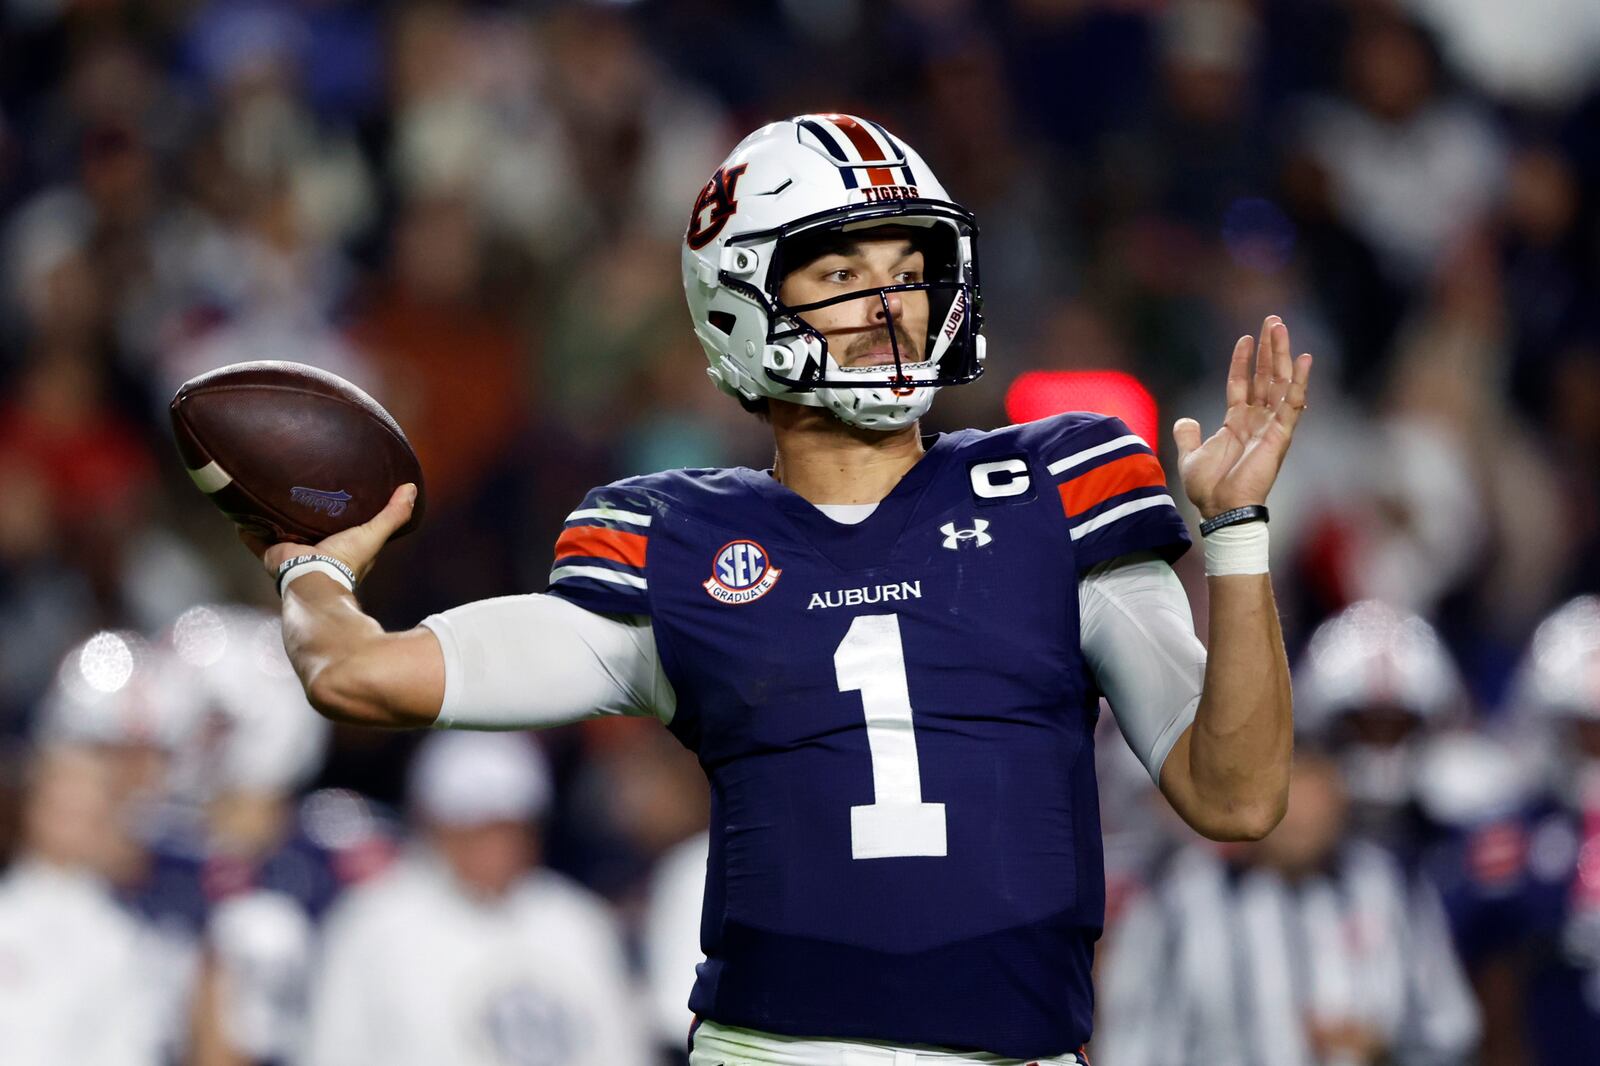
(1138,635)
(527,662)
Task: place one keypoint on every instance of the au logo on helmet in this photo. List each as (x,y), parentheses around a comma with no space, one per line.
(717,202)
(741,572)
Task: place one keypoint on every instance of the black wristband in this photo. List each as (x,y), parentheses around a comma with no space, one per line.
(1254,513)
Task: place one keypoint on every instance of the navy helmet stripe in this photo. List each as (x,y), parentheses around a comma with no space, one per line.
(826,138)
(890,141)
(834,149)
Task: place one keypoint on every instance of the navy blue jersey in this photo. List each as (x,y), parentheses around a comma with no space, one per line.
(336,839)
(896,721)
(1518,888)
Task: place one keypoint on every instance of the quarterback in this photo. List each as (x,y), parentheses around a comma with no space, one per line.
(888,651)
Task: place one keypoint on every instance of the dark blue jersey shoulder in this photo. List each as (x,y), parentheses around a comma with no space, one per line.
(1112,491)
(604,548)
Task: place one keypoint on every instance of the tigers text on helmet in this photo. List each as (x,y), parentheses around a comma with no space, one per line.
(811,175)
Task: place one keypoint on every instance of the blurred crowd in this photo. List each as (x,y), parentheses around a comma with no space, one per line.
(474,211)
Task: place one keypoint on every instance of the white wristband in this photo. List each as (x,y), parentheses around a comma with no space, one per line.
(1240,549)
(312,566)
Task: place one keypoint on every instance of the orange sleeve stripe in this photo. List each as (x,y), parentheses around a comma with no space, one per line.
(596,543)
(1138,471)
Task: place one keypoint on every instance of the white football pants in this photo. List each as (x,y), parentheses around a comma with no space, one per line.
(720,1045)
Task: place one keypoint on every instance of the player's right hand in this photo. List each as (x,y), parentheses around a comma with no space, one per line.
(356,547)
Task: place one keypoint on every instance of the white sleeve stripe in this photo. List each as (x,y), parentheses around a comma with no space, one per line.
(599,573)
(1083,529)
(609,514)
(1078,458)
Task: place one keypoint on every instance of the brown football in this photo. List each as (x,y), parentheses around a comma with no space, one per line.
(290,452)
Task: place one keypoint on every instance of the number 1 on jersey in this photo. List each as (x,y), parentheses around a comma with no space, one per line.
(871,660)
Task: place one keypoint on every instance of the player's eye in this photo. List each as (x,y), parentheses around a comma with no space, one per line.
(840,275)
(909,277)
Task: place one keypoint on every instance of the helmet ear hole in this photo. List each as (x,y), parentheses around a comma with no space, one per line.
(723,321)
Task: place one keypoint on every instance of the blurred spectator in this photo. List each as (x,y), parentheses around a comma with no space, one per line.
(1304,948)
(1547,298)
(44,602)
(1539,55)
(466,952)
(671,941)
(565,130)
(453,368)
(1410,166)
(1198,149)
(75,985)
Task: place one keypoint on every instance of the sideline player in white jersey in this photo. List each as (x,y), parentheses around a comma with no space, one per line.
(74,970)
(888,650)
(465,951)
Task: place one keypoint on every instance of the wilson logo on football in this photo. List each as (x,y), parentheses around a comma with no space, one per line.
(331,504)
(741,572)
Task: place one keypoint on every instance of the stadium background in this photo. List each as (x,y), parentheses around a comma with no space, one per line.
(474,211)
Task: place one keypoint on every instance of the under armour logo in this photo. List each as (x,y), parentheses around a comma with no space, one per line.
(954,536)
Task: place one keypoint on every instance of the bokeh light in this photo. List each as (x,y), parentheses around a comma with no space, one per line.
(1041,393)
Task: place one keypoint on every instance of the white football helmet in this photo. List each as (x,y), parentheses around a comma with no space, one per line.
(805,175)
(1372,655)
(1372,659)
(1560,675)
(117,689)
(257,732)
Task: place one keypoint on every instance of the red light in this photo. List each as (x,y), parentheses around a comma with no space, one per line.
(1041,393)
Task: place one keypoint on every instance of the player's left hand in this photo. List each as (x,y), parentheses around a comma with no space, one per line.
(1237,464)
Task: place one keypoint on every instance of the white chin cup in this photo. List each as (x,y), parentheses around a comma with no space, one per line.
(877,408)
(866,408)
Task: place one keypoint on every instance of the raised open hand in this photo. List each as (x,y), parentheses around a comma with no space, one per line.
(1237,464)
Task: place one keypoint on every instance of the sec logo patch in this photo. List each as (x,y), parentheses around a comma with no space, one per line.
(741,572)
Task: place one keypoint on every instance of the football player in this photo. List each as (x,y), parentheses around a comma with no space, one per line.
(467,951)
(887,650)
(1376,689)
(1528,901)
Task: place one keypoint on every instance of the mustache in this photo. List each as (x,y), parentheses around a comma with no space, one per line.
(910,351)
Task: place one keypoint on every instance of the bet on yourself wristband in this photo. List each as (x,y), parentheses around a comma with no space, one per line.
(301,565)
(1237,549)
